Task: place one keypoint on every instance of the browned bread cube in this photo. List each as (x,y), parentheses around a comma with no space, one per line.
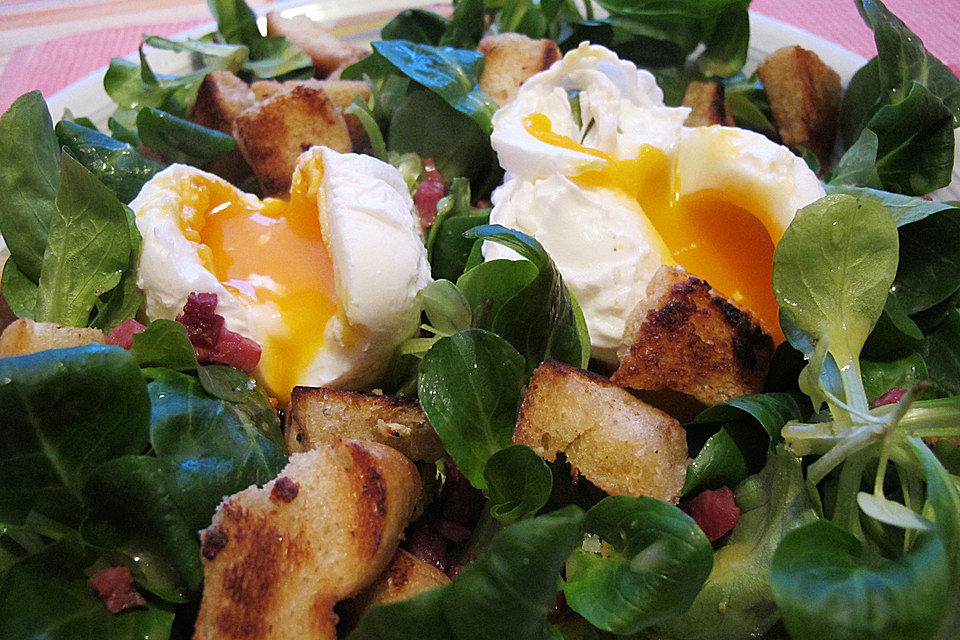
(707,103)
(220,99)
(26,336)
(511,58)
(328,53)
(320,416)
(804,96)
(278,558)
(405,577)
(686,337)
(273,133)
(617,442)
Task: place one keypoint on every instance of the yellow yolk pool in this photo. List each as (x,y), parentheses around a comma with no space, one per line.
(270,254)
(725,237)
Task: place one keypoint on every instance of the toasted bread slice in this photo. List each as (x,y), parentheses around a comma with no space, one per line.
(320,416)
(511,58)
(617,442)
(26,336)
(686,337)
(405,577)
(328,53)
(278,558)
(804,96)
(273,133)
(707,103)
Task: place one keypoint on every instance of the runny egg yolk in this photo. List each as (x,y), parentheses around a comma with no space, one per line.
(725,237)
(271,255)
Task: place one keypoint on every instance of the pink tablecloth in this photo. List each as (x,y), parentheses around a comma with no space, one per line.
(52,65)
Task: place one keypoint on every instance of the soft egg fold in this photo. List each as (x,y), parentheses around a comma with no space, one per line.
(326,282)
(613,185)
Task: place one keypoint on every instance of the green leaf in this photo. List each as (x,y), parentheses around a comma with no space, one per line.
(65,411)
(470,387)
(466,25)
(164,344)
(659,560)
(904,209)
(210,448)
(445,306)
(770,410)
(725,52)
(456,144)
(236,22)
(929,266)
(450,73)
(132,511)
(943,354)
(19,291)
(518,483)
(490,598)
(118,165)
(278,57)
(858,165)
(180,140)
(825,589)
(214,55)
(541,320)
(415,25)
(45,595)
(860,100)
(29,175)
(123,301)
(881,376)
(736,601)
(75,274)
(489,285)
(915,136)
(831,273)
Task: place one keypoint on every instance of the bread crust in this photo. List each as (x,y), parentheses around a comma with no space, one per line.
(614,440)
(686,337)
(278,558)
(511,58)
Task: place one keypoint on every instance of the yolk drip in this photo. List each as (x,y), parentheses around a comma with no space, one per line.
(272,254)
(720,236)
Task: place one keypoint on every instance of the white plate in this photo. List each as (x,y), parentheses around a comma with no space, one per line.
(361,22)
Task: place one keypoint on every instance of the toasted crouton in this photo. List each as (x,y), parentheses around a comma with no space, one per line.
(804,96)
(272,134)
(26,336)
(278,558)
(405,577)
(617,442)
(328,53)
(320,416)
(221,98)
(511,58)
(686,337)
(707,103)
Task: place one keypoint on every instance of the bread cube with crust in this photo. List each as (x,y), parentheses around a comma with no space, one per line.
(614,440)
(405,577)
(511,58)
(804,95)
(24,336)
(221,98)
(278,558)
(686,337)
(708,104)
(319,416)
(274,132)
(328,53)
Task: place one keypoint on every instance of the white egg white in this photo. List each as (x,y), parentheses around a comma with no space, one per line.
(602,243)
(373,238)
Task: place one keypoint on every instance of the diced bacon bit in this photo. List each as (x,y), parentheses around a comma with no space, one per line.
(429,193)
(454,569)
(114,585)
(210,338)
(716,512)
(122,334)
(893,396)
(455,533)
(461,501)
(426,543)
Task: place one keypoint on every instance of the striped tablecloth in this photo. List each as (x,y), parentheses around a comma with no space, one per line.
(48,44)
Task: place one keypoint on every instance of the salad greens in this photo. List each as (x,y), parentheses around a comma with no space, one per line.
(846,470)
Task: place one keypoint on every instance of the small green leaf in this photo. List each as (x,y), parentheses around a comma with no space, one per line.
(518,483)
(180,140)
(164,344)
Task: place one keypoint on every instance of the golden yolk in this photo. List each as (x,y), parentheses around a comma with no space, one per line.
(723,237)
(272,254)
